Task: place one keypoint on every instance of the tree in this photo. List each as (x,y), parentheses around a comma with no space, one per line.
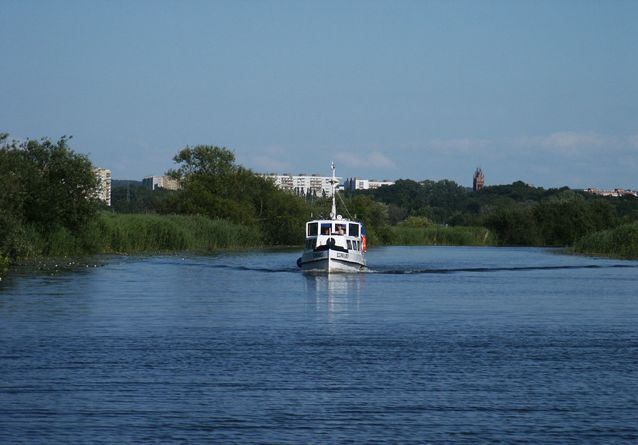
(61,186)
(213,185)
(47,188)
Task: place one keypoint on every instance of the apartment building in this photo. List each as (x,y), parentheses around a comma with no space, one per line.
(353,184)
(103,191)
(303,184)
(165,182)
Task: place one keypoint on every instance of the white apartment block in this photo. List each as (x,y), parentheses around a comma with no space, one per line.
(352,184)
(304,185)
(103,191)
(165,182)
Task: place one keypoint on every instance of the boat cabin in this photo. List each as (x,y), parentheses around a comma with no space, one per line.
(340,234)
(314,228)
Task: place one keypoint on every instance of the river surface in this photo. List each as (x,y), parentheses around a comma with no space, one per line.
(433,345)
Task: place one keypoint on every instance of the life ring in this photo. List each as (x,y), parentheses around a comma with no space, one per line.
(364,243)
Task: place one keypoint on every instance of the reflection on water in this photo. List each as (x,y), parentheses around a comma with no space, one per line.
(335,293)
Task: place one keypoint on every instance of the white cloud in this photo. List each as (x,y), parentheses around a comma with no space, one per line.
(375,159)
(458,146)
(574,143)
(272,159)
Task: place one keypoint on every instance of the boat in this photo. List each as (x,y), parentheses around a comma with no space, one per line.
(335,244)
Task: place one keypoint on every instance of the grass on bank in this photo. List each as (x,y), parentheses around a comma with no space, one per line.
(128,233)
(620,242)
(441,236)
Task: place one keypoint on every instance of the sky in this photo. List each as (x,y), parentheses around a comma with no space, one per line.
(540,91)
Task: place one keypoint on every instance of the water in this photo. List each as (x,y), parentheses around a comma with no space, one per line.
(454,345)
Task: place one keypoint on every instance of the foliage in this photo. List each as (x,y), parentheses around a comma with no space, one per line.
(514,226)
(516,214)
(133,197)
(441,235)
(48,190)
(416,222)
(214,186)
(373,215)
(128,233)
(621,242)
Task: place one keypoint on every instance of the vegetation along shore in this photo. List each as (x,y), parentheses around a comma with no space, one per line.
(49,208)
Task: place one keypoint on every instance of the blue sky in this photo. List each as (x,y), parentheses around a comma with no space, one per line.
(541,91)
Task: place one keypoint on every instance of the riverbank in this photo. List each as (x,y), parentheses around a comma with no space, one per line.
(135,233)
(114,233)
(621,242)
(436,235)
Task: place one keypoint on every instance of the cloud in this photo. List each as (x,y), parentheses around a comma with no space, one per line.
(375,159)
(458,146)
(573,144)
(569,139)
(272,159)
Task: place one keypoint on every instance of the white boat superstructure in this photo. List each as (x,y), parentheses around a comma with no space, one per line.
(334,245)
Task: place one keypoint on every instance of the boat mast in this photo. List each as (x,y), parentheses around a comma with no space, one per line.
(333,181)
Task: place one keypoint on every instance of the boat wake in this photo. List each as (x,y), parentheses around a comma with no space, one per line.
(408,271)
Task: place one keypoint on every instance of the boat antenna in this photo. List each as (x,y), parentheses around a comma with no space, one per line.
(333,181)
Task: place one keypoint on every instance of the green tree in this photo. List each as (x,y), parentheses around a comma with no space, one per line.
(213,185)
(49,192)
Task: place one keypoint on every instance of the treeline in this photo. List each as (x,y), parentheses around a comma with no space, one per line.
(49,206)
(213,185)
(516,214)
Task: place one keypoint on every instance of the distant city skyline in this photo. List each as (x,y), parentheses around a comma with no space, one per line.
(539,91)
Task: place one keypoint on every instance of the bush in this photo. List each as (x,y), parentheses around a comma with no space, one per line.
(441,235)
(118,233)
(621,242)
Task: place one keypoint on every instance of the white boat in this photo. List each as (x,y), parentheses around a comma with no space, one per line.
(336,244)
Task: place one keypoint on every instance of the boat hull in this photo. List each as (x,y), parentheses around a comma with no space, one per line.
(331,261)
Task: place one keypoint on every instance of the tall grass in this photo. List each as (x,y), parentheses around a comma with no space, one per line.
(441,235)
(621,242)
(129,233)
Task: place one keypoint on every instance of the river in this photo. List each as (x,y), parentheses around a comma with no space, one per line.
(433,344)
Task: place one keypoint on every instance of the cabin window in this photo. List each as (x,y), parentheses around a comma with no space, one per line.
(313,229)
(340,229)
(354,230)
(326,228)
(349,244)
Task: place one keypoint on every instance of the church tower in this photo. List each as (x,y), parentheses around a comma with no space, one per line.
(479,180)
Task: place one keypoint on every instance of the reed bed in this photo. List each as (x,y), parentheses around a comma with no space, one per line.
(129,233)
(621,242)
(442,236)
